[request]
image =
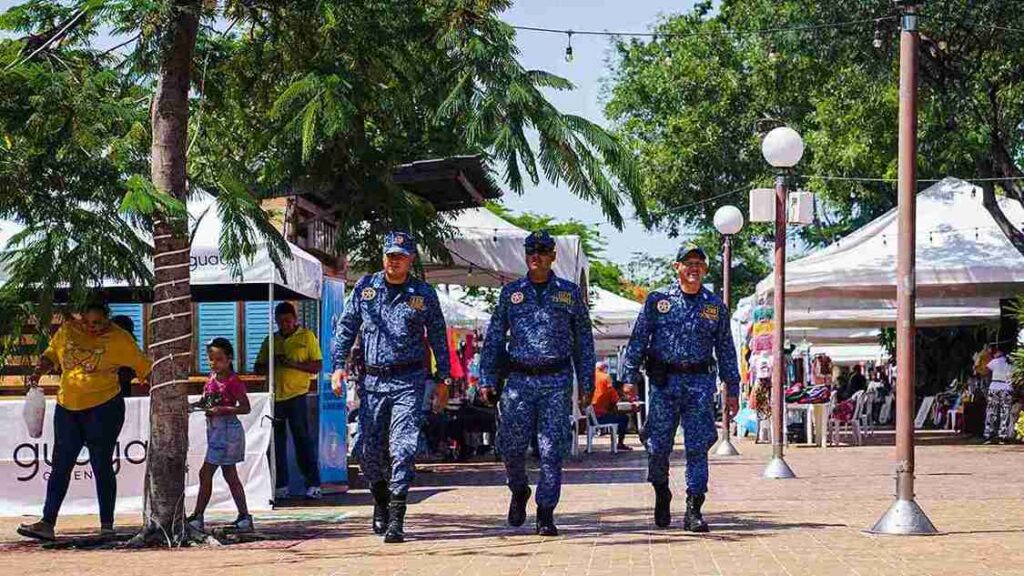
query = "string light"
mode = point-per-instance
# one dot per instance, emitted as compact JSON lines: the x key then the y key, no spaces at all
{"x":568,"y":47}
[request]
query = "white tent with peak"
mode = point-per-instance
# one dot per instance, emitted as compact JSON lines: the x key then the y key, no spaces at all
{"x":961,"y":253}
{"x":613,"y":317}
{"x":488,"y":251}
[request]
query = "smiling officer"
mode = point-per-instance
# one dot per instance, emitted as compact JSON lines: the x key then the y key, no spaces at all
{"x":678,"y":329}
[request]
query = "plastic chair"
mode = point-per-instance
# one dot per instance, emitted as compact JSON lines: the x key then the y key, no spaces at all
{"x":885,"y":414}
{"x":953,"y":415}
{"x":594,"y":428}
{"x":852,"y":423}
{"x":574,"y":424}
{"x":863,"y":413}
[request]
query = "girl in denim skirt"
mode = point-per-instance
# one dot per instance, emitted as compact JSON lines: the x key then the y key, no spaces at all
{"x":225,"y":398}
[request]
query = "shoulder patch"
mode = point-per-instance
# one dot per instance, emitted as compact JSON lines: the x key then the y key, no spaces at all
{"x":664,"y":306}
{"x":368,"y":294}
{"x":516,"y":297}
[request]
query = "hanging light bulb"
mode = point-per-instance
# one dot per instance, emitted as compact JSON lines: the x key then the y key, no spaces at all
{"x":568,"y":47}
{"x":877,"y":42}
{"x":773,"y":56}
{"x":943,"y":45}
{"x":470,"y":274}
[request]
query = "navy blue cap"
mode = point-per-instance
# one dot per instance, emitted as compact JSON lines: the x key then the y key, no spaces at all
{"x":691,"y":248}
{"x":400,"y":243}
{"x":539,"y":240}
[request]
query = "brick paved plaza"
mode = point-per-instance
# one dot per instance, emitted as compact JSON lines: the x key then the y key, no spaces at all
{"x":812,"y":525}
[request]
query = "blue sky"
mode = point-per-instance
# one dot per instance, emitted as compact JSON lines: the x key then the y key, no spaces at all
{"x":586,"y":71}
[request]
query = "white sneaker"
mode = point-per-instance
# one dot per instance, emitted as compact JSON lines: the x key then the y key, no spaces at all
{"x":314,"y":493}
{"x":281,"y":494}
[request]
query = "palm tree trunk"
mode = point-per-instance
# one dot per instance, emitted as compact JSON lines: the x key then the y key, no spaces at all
{"x":171,"y":321}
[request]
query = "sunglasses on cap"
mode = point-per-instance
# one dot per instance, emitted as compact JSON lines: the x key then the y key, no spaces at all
{"x":541,"y":251}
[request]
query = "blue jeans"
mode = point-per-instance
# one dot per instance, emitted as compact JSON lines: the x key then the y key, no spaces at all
{"x":621,"y":419}
{"x":97,"y":429}
{"x":294,"y":413}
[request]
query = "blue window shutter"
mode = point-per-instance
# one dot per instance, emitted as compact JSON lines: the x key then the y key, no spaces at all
{"x":133,"y":311}
{"x":256,"y":330}
{"x":216,"y":320}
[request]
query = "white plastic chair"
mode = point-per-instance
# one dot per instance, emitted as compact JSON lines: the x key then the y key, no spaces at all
{"x":853,"y":424}
{"x":924,"y":411}
{"x":594,"y":428}
{"x":865,"y":406}
{"x":885,"y":414}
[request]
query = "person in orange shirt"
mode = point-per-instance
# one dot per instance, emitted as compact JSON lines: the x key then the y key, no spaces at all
{"x":605,"y":402}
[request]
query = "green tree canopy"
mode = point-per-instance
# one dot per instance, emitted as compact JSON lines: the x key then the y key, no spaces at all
{"x":695,"y":101}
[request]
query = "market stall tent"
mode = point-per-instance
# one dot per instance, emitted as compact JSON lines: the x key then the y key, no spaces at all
{"x":211,"y":278}
{"x":960,"y":252}
{"x":488,"y":251}
{"x":613,"y":317}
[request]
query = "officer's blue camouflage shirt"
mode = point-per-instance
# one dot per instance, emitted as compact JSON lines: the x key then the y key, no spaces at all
{"x":392,"y":321}
{"x":541,"y":331}
{"x":675,"y":330}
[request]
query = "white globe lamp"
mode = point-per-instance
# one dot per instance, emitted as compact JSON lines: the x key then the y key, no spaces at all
{"x":782,"y":147}
{"x":728,"y":220}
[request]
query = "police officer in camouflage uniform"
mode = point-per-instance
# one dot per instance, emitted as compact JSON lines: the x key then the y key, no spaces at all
{"x":391,"y":311}
{"x":539,"y":335}
{"x":673,"y":339}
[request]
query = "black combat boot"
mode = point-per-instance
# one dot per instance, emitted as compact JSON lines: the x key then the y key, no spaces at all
{"x":693,"y":521}
{"x":546,"y":522}
{"x":381,"y":498}
{"x":396,"y":520}
{"x":517,"y":505}
{"x":662,"y":505}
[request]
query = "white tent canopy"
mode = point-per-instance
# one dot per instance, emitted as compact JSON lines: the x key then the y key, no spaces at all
{"x":960,"y":252}
{"x":459,"y":315}
{"x":304,"y":272}
{"x":852,"y":353}
{"x":211,"y":278}
{"x":881,"y":312}
{"x":488,"y":251}
{"x":613,"y":318}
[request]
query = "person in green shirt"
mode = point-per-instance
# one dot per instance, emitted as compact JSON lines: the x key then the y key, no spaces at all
{"x":297,"y":358}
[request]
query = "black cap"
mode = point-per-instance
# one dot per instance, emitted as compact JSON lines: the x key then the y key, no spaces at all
{"x":690,"y":248}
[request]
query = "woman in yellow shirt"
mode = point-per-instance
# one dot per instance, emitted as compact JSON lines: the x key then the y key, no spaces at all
{"x":90,"y":409}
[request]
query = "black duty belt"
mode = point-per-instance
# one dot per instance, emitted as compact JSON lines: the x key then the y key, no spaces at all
{"x":394,"y":369}
{"x":665,"y":368}
{"x":539,"y":369}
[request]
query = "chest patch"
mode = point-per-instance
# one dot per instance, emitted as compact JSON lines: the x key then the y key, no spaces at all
{"x":368,"y":294}
{"x":564,"y":298}
{"x":516,"y":298}
{"x":710,"y":312}
{"x":663,"y":306}
{"x":417,"y":303}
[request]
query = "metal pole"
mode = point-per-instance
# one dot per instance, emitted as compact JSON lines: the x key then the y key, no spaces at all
{"x":905,"y":516}
{"x":725,"y":446}
{"x":777,"y":468}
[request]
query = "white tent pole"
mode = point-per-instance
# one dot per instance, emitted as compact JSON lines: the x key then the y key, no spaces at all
{"x":270,"y":380}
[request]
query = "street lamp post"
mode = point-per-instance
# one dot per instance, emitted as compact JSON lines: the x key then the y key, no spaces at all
{"x":728,"y":221}
{"x":905,"y":516}
{"x":782,"y":148}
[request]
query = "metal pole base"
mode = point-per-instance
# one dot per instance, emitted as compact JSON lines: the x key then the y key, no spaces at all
{"x":778,"y":470}
{"x":904,"y":518}
{"x":725,"y":447}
